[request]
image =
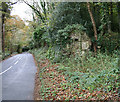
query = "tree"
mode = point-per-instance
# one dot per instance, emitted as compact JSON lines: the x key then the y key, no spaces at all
{"x":5,"y":10}
{"x":118,"y":10}
{"x":94,"y":26}
{"x":39,"y":9}
{"x":13,"y":25}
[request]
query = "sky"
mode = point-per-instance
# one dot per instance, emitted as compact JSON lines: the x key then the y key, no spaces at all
{"x":22,"y":10}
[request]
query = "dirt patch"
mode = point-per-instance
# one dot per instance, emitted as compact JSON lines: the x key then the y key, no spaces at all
{"x":37,"y":81}
{"x":37,"y":86}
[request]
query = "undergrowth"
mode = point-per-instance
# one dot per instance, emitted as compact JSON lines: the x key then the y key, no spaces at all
{"x":87,"y":78}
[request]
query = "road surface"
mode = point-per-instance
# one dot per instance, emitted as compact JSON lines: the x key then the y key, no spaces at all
{"x":18,"y":75}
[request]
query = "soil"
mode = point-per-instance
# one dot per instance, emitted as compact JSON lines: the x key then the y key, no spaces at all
{"x":37,"y":81}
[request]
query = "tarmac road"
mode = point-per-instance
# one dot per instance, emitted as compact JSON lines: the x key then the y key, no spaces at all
{"x":18,"y":76}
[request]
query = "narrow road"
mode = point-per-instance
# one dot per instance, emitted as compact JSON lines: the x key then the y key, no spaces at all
{"x":18,"y":75}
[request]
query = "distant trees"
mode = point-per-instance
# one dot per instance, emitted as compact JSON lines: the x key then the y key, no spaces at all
{"x":13,"y":24}
{"x":17,"y":33}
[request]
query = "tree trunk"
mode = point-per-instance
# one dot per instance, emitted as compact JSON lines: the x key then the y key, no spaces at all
{"x":3,"y":38}
{"x":118,"y":8}
{"x":111,"y":15}
{"x":3,"y":42}
{"x":94,"y":27}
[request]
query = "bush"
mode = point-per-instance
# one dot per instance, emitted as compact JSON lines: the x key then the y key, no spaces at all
{"x":109,"y":42}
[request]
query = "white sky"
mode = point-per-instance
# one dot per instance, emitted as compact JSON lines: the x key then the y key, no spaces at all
{"x":22,"y":10}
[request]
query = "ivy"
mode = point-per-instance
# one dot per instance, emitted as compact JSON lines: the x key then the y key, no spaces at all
{"x":64,"y":34}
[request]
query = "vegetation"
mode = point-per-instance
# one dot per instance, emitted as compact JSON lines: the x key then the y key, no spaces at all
{"x":90,"y":78}
{"x":67,"y":14}
{"x":5,"y":9}
{"x":65,"y":75}
{"x":76,"y":46}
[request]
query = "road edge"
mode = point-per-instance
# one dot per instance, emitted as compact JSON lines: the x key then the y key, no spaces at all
{"x":37,"y":81}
